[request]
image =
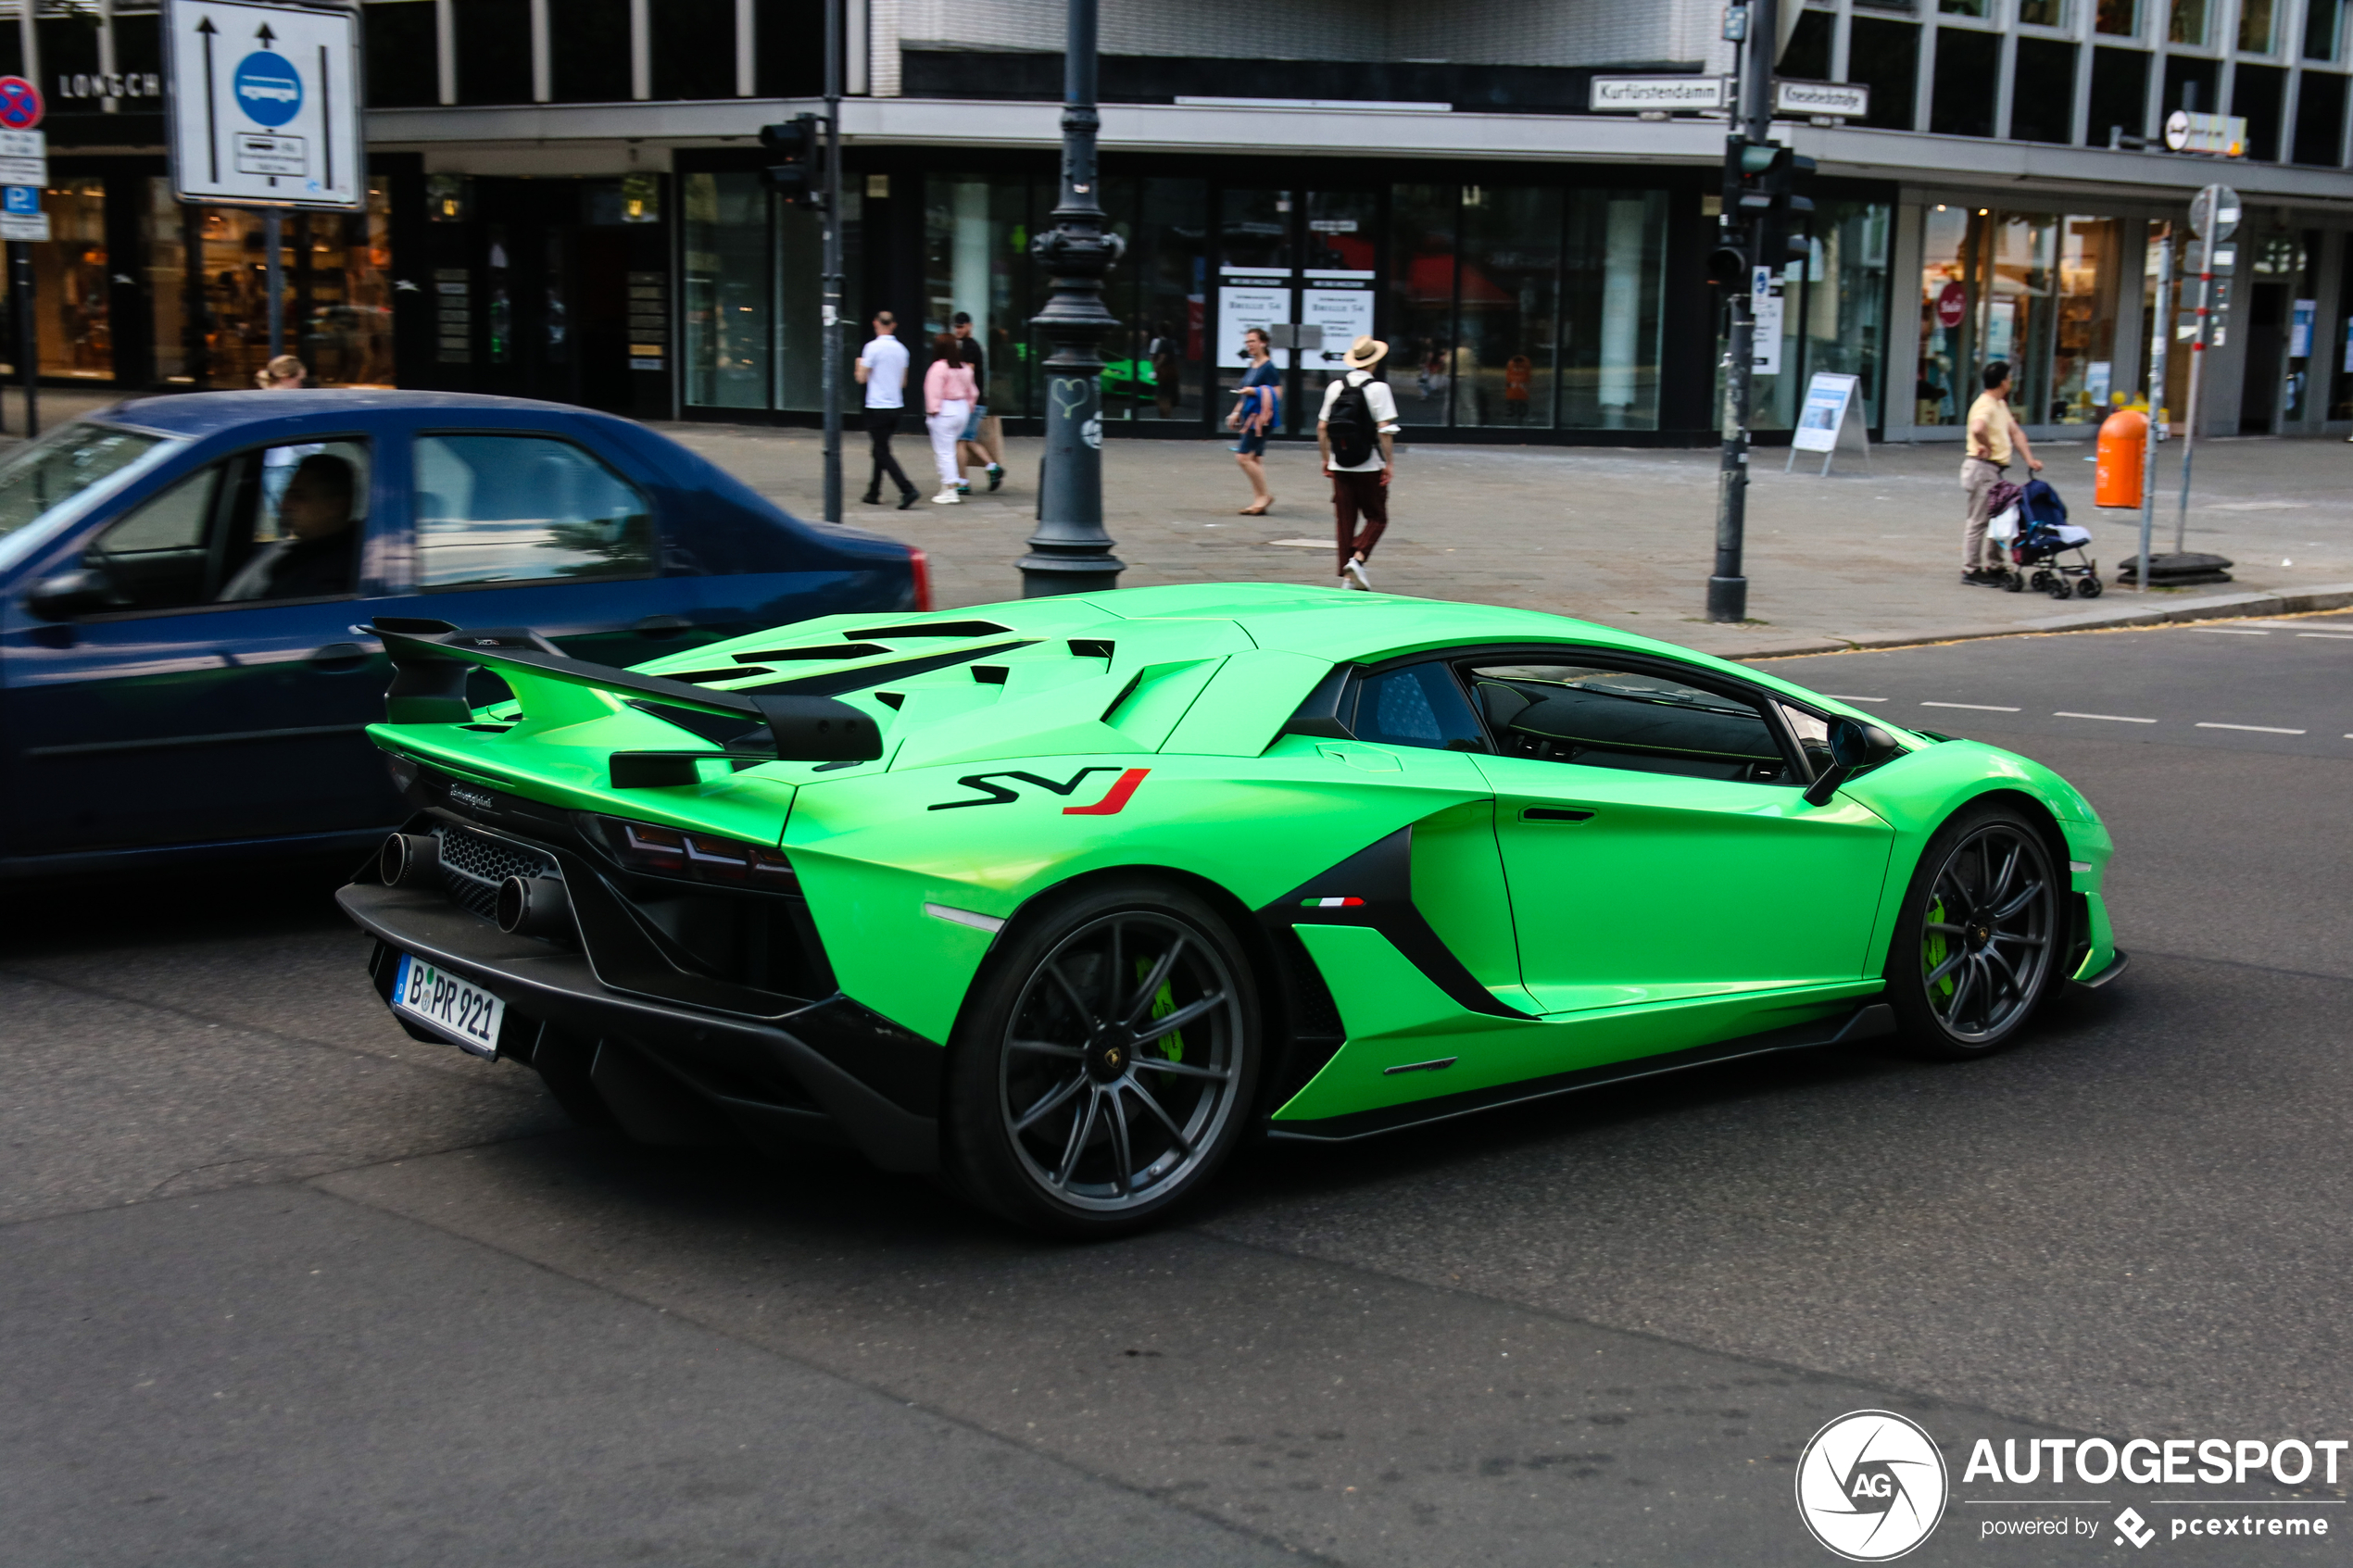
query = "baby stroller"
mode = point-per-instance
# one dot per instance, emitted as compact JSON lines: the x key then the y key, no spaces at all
{"x":2041,"y":536}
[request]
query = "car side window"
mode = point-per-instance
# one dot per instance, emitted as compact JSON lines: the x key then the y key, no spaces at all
{"x":1601,"y":716}
{"x":1420,"y":705}
{"x":525,"y":509}
{"x":284,"y":522}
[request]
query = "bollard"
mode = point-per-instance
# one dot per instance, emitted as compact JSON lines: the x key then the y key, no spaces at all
{"x":2116,"y":481}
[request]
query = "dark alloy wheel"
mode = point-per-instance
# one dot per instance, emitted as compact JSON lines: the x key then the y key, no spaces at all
{"x":1110,"y":1065}
{"x":1980,"y":937}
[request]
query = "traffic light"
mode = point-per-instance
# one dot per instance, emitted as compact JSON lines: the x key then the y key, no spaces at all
{"x":798,"y":175}
{"x":1760,"y":186}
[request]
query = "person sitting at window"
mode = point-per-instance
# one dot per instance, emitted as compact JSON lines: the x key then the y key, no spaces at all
{"x":317,"y":548}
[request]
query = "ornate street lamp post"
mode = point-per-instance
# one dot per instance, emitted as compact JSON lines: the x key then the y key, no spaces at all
{"x":1069,"y":553}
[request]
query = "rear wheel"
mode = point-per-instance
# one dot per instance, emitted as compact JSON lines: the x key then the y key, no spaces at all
{"x":1978,"y":942}
{"x":1108,"y":1067}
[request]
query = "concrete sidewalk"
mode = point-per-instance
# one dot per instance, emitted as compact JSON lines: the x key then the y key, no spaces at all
{"x":1627,"y":536}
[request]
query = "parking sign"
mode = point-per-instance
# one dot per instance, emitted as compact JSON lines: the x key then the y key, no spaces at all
{"x":265,"y":105}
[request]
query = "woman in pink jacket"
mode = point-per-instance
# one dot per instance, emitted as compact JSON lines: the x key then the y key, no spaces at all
{"x":949,"y":393}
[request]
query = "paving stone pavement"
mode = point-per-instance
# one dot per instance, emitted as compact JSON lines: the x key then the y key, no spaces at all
{"x":1624,"y":536}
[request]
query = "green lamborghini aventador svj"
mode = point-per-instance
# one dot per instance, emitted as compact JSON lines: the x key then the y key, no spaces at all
{"x":1070,"y":898}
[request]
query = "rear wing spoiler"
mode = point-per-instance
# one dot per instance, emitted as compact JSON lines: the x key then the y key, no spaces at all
{"x":431,"y":660}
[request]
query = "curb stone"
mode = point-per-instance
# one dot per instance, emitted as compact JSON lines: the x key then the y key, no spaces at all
{"x":2214,"y":606}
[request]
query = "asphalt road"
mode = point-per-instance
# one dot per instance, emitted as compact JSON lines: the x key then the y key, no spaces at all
{"x":279,"y":1285}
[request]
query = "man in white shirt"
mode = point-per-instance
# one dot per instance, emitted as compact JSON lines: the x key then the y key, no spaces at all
{"x":882,"y":370}
{"x":1357,"y":434}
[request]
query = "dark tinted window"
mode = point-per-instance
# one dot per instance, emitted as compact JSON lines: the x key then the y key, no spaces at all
{"x":1596,"y":716}
{"x":494,"y":52}
{"x":693,"y":49}
{"x":1418,"y":705}
{"x":589,"y":43}
{"x":403,"y":50}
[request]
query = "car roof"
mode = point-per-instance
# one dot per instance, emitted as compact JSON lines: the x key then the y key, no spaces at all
{"x":199,"y":414}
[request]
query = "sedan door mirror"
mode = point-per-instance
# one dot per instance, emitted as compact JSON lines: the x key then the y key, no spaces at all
{"x":1853,"y":748}
{"x":69,"y":594}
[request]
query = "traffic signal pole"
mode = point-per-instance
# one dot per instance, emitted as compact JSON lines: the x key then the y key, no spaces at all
{"x":829,"y":327}
{"x":1741,"y":230}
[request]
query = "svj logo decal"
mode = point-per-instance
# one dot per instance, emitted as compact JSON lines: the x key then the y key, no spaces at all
{"x":1871,"y":1485}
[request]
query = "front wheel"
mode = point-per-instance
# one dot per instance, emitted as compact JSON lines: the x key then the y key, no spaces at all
{"x":1979,"y":938}
{"x":1109,"y":1062}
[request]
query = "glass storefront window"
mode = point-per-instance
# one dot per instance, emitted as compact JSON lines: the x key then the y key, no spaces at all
{"x":1255,"y":274}
{"x":729,"y":316}
{"x":209,"y":303}
{"x":1845,"y":306}
{"x":1510,"y":306}
{"x":1421,"y":301}
{"x":2017,"y":318}
{"x":1615,"y":262}
{"x":2085,"y":375}
{"x":977,"y":262}
{"x":1167,"y":313}
{"x":1947,"y":304}
{"x":72,"y":284}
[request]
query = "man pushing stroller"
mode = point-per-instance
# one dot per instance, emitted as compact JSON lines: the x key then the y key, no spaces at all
{"x":1993,"y":432}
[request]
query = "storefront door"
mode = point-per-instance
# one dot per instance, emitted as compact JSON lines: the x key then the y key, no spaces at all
{"x":1304,"y":266}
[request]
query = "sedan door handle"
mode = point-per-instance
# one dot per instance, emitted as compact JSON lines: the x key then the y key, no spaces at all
{"x":1554,"y":814}
{"x":663,"y":626}
{"x":338,"y":658}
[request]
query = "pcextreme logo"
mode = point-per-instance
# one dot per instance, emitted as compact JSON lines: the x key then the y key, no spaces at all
{"x":1871,"y":1485}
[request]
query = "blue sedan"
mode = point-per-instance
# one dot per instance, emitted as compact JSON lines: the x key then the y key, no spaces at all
{"x":187,"y":583}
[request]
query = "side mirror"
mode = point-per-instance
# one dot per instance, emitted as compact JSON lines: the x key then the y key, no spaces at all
{"x":1853,"y":748}
{"x":70,"y":593}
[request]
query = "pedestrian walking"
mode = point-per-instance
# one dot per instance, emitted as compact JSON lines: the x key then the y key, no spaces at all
{"x":1994,"y":432}
{"x":1256,"y":402}
{"x":947,"y":407}
{"x":286,"y":373}
{"x":1357,"y":434}
{"x":1168,"y":373}
{"x":981,"y":446}
{"x":882,"y":370}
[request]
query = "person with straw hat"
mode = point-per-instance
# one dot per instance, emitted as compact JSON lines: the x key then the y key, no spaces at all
{"x":1357,"y":434}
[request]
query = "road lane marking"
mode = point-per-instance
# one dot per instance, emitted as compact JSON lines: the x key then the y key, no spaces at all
{"x":1973,"y":706}
{"x":2256,"y":729}
{"x":1835,"y":697}
{"x":2111,"y":717}
{"x":2338,"y":636}
{"x":2230,"y":632}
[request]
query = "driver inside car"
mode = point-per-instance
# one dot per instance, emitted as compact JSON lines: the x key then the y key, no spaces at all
{"x":316,"y":550}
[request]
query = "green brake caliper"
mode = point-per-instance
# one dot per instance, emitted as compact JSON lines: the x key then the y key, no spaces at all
{"x":1172,"y":1045}
{"x":1933,"y":952}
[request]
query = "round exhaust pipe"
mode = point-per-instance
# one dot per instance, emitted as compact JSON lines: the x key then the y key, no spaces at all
{"x":409,"y":860}
{"x":534,"y":905}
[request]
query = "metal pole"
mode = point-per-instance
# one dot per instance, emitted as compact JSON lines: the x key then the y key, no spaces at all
{"x":2189,"y":415}
{"x":829,"y":309}
{"x":1069,"y":553}
{"x":27,"y":336}
{"x":1753,"y":118}
{"x":275,"y":277}
{"x":2160,"y":339}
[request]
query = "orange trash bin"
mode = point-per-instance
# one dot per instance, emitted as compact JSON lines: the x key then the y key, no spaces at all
{"x":2123,"y":445}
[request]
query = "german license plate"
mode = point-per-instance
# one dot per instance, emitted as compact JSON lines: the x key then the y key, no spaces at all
{"x":455,"y":1007}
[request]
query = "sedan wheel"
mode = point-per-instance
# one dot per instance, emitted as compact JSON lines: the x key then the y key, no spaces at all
{"x":1979,"y":937}
{"x":1110,"y":1065}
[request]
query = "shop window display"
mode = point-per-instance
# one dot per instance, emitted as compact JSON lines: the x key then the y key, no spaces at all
{"x":1947,"y":311}
{"x":2083,"y":370}
{"x":71,"y":283}
{"x":729,"y":314}
{"x":1509,"y":309}
{"x":976,"y":233}
{"x":1614,"y":257}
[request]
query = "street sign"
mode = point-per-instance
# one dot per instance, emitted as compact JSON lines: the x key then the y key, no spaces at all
{"x":20,"y":214}
{"x":265,"y":105}
{"x":20,"y":105}
{"x":24,"y":157}
{"x":2223,"y":133}
{"x":1640,"y":94}
{"x":2214,"y":213}
{"x":1846,"y":99}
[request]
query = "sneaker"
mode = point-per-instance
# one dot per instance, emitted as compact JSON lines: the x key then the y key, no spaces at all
{"x":1363,"y":579}
{"x":947,"y":498}
{"x":995,"y":475}
{"x":964,"y":487}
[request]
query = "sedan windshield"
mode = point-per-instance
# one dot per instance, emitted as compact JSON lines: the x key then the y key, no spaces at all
{"x":62,"y":465}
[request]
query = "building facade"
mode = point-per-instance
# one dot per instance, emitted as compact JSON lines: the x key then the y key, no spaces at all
{"x":567,"y":203}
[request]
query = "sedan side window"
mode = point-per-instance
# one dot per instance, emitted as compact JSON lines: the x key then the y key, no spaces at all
{"x":1421,"y":705}
{"x":1597,"y":716}
{"x":284,"y":522}
{"x":525,"y":509}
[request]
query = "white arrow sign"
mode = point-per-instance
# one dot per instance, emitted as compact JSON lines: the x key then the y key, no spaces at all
{"x":265,"y":105}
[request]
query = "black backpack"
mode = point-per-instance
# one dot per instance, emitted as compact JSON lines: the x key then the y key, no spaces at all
{"x":1356,"y":433}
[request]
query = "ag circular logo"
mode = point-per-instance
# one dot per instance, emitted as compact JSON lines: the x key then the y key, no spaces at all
{"x":268,"y":89}
{"x":1871,"y":1485}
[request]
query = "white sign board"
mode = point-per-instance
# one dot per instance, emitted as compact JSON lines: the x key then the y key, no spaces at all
{"x":1244,"y":303}
{"x":1843,"y":98}
{"x":265,"y":105}
{"x":1631,"y":95}
{"x":1828,"y":413}
{"x":1764,"y":354}
{"x":24,"y":157}
{"x":1342,"y":305}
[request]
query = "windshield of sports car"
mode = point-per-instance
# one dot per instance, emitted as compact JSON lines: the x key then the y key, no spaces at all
{"x":63,"y":464}
{"x":1634,"y":719}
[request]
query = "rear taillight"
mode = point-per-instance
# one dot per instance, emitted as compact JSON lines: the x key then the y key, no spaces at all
{"x":693,"y":857}
{"x":919,"y":564}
